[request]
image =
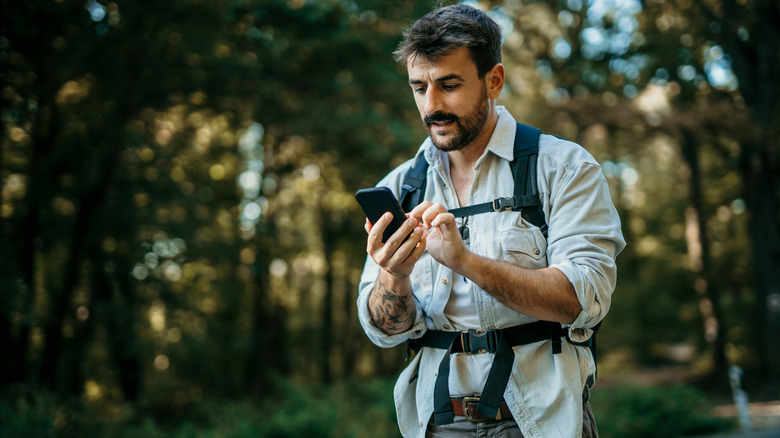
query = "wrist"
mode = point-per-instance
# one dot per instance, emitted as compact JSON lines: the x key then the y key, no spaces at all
{"x":397,"y":282}
{"x":465,"y":264}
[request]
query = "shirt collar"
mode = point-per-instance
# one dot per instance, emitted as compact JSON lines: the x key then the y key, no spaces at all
{"x":502,"y":142}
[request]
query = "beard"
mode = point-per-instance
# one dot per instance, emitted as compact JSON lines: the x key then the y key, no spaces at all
{"x":466,"y":128}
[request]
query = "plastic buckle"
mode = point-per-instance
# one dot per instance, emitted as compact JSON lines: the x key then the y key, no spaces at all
{"x":479,"y":341}
{"x":503,"y":204}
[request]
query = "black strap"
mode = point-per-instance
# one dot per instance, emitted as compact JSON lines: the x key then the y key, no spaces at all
{"x":413,"y":186}
{"x":499,"y":342}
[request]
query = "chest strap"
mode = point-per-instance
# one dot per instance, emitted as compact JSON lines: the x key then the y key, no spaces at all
{"x":499,"y":342}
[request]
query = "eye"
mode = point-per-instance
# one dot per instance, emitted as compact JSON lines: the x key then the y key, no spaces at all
{"x":418,"y":90}
{"x":450,"y":87}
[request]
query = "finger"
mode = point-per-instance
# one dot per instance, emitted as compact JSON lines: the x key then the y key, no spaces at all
{"x":398,"y":237}
{"x":406,"y":252}
{"x":421,"y":245}
{"x":446,"y":225}
{"x":430,"y":214}
{"x":375,"y":235}
{"x":417,"y":212}
{"x":367,"y":226}
{"x":443,"y":219}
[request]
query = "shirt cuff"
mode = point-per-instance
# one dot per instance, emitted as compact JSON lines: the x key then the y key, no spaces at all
{"x":579,"y":330}
{"x":382,"y":339}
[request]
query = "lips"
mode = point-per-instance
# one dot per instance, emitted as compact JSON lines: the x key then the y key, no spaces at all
{"x":440,"y":124}
{"x":440,"y":121}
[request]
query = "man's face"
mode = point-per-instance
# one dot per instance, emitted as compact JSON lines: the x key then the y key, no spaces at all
{"x":451,"y":98}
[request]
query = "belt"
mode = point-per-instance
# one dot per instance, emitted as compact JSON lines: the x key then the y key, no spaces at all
{"x":499,"y":342}
{"x":467,"y":407}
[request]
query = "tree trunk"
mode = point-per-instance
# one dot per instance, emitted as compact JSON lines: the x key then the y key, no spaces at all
{"x":698,"y":244}
{"x":756,"y":63}
{"x":759,"y":167}
{"x":268,"y":337}
{"x":121,"y":315}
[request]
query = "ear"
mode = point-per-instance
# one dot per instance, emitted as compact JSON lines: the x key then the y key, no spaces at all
{"x":494,"y":81}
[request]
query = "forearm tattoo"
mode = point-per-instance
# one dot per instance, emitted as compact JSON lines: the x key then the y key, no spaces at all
{"x":390,"y":311}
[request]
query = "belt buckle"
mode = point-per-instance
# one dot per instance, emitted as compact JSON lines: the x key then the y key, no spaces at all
{"x":470,"y":411}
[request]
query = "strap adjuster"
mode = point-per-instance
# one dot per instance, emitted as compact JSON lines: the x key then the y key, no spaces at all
{"x":504,"y":204}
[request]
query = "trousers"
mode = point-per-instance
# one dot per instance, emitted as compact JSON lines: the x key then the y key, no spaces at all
{"x":462,"y":428}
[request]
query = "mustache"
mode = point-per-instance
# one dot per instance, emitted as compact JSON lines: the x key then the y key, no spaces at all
{"x":439,"y":117}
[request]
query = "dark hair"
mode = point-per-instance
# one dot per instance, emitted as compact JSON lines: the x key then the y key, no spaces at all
{"x":446,"y":29}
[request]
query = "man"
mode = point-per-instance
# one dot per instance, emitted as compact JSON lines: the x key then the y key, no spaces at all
{"x":502,"y":278}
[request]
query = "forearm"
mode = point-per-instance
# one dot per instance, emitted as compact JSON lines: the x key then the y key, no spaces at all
{"x":391,"y":304}
{"x":545,"y":294}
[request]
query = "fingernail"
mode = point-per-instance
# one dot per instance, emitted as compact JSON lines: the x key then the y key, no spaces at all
{"x":388,"y":215}
{"x":411,"y":222}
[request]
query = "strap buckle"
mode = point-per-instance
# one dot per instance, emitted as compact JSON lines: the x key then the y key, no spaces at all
{"x":479,"y":341}
{"x":470,"y":405}
{"x":504,"y":204}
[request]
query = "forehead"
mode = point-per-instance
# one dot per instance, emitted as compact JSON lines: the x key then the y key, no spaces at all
{"x":458,"y":62}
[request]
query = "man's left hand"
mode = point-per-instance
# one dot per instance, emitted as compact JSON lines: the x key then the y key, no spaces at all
{"x":445,"y":243}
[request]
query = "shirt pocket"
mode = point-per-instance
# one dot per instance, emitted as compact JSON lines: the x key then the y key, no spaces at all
{"x":524,"y":247}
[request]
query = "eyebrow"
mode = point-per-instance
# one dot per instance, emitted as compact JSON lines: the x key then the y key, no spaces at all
{"x":445,"y":78}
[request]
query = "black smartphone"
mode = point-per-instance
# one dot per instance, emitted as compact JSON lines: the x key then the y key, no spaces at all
{"x":375,"y":202}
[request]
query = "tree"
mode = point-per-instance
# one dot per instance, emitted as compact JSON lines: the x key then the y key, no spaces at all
{"x":132,"y":257}
{"x":599,"y":65}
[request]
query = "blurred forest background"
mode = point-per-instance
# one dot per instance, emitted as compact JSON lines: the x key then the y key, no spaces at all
{"x":180,"y":246}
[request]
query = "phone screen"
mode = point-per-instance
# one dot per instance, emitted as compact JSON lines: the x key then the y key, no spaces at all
{"x":375,"y":202}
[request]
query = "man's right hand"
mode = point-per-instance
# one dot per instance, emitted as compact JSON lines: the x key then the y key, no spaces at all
{"x":391,"y":304}
{"x":396,"y":256}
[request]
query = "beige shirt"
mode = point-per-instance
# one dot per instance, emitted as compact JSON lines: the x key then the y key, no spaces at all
{"x":544,"y":391}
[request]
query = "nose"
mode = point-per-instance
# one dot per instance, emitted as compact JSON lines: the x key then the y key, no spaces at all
{"x":432,"y":101}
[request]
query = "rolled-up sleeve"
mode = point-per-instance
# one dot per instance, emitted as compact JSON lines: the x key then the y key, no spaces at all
{"x":584,"y":239}
{"x":377,"y":336}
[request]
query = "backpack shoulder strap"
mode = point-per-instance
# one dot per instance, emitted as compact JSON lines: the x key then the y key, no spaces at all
{"x":523,"y":166}
{"x":413,"y":186}
{"x":526,"y":192}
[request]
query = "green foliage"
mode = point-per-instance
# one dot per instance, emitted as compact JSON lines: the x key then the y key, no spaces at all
{"x":354,"y":409}
{"x":27,"y":418}
{"x":662,"y":412}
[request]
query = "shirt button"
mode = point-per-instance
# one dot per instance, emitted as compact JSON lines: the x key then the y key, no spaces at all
{"x":446,"y":326}
{"x":444,"y":280}
{"x":482,"y":350}
{"x":536,"y":251}
{"x":419,"y":423}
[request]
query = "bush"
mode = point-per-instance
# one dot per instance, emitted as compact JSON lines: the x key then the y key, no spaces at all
{"x":654,"y":412}
{"x":351,"y":409}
